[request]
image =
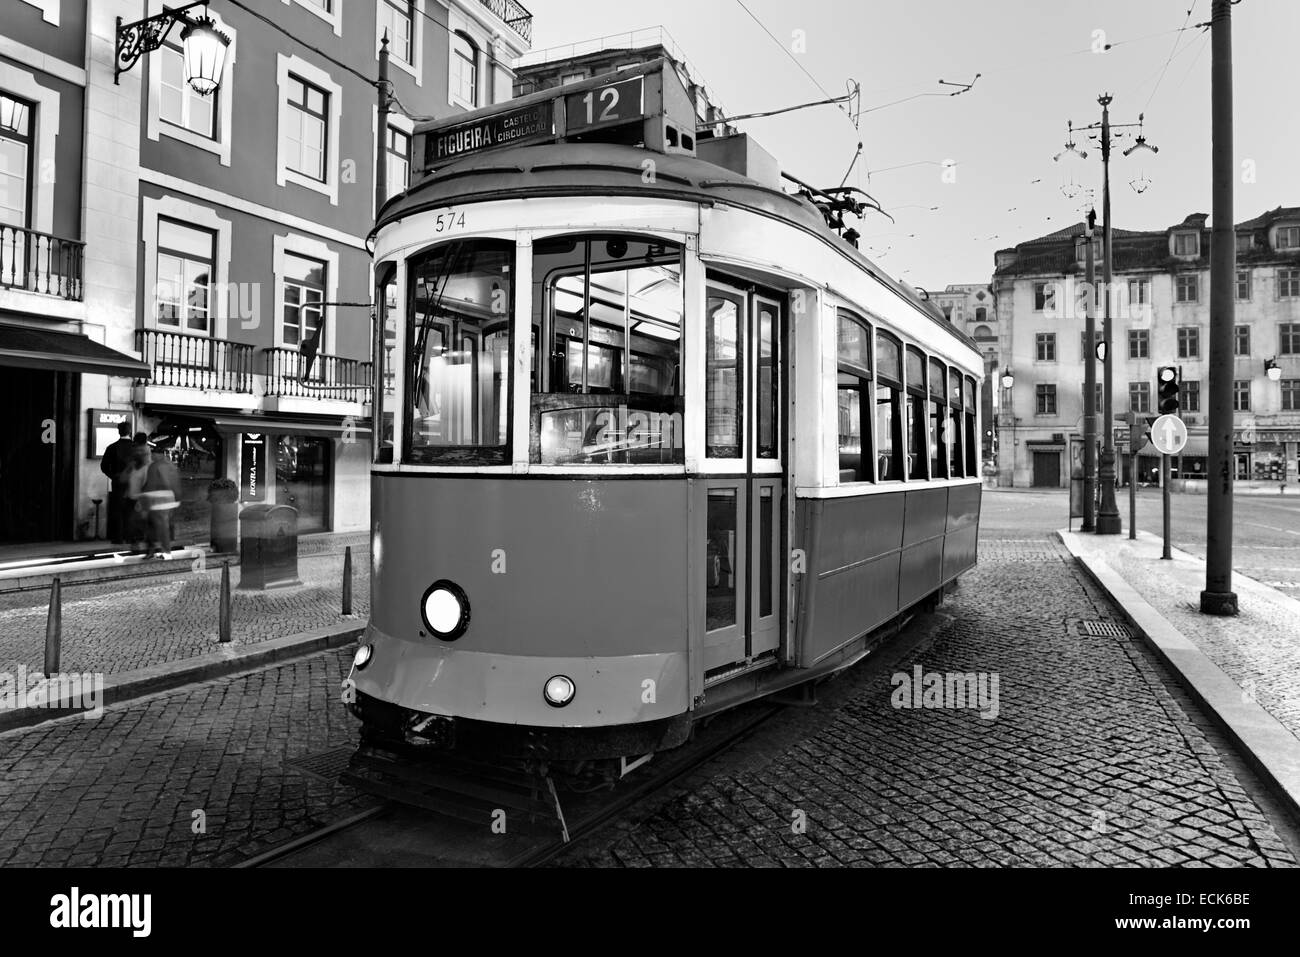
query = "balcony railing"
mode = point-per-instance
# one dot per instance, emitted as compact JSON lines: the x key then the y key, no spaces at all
{"x":329,"y":377}
{"x":38,"y":262}
{"x":515,"y":15}
{"x":196,"y":362}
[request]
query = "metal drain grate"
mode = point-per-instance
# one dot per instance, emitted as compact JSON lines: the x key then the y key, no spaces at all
{"x":326,"y":765}
{"x":1103,"y":629}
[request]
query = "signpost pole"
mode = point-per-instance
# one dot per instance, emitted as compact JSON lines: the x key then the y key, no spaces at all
{"x":1133,"y":449}
{"x":1164,"y":489}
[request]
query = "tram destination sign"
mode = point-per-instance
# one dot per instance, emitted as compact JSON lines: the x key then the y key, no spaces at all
{"x":523,"y":125}
{"x":608,"y":105}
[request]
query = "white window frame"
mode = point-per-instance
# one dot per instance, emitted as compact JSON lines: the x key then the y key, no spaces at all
{"x":454,"y":98}
{"x":398,"y":122}
{"x":1280,"y":280}
{"x":1184,"y":235}
{"x":334,"y":18}
{"x":1277,"y":236}
{"x":315,"y":249}
{"x":202,"y":217}
{"x":284,"y":174}
{"x":416,"y":69}
{"x":155,"y":126}
{"x":44,"y":132}
{"x":49,"y":9}
{"x":1196,"y":298}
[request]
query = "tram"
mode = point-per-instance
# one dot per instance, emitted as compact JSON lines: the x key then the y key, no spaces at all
{"x":654,"y":439}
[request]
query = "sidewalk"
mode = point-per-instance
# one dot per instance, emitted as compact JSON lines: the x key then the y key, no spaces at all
{"x":119,"y":627}
{"x":1245,"y":670}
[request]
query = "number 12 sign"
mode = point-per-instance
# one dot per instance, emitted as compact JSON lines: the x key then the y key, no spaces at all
{"x":604,"y":106}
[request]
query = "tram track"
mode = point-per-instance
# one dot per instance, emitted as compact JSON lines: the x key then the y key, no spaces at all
{"x":391,"y":834}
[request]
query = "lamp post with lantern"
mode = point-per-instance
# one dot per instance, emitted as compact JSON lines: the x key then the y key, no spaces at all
{"x":203,"y":45}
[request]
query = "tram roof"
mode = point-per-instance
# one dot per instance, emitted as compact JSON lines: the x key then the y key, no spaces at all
{"x":604,"y":169}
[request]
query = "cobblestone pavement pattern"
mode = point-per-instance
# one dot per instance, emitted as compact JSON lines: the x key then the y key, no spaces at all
{"x":121,"y":626}
{"x":1091,"y":760}
{"x":123,"y":790}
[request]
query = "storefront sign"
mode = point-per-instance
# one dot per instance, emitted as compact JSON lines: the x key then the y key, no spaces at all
{"x":505,"y":129}
{"x":252,"y":467}
{"x":103,"y":430}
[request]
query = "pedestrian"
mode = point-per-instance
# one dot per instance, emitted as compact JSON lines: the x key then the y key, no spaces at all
{"x":133,"y":478}
{"x":116,"y":458}
{"x":161,"y":497}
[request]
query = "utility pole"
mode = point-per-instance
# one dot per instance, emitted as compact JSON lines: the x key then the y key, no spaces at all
{"x":1218,"y":597}
{"x":1090,"y":389}
{"x":1108,"y":518}
{"x":381,"y":156}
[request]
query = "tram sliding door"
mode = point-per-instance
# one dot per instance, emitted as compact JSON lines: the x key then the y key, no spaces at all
{"x":745,"y":486}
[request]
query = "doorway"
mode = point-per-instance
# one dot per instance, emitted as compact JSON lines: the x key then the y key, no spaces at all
{"x":1047,"y":470}
{"x":38,"y":457}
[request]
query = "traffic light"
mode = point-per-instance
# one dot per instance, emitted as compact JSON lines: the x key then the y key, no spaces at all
{"x":1167,"y":386}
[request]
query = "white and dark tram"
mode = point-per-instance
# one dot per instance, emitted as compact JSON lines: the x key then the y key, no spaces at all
{"x":653,"y":439}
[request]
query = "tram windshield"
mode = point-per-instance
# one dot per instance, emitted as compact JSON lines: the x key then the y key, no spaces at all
{"x":458,"y":351}
{"x":607,"y":381}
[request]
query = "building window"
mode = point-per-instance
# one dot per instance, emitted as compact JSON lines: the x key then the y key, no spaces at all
{"x":1046,"y":346}
{"x":395,"y":17}
{"x":303,"y":468}
{"x":1187,"y":244}
{"x":1139,"y":292}
{"x":1044,"y":296}
{"x":1083,"y":343}
{"x":854,"y":397}
{"x":398,"y":157}
{"x":1045,"y":399}
{"x":304,"y":294}
{"x":15,"y":176}
{"x":1245,"y":243}
{"x":981,"y":314}
{"x":1289,"y":339}
{"x":1241,"y":395}
{"x":1189,"y":342}
{"x":328,"y":10}
{"x":307,"y":135}
{"x":1288,"y":237}
{"x":1139,"y":396}
{"x":1139,"y":344}
{"x":1243,"y":285}
{"x":178,"y":104}
{"x":1187,"y":289}
{"x":464,"y":70}
{"x":1288,"y":283}
{"x":1189,"y":396}
{"x":184,"y":278}
{"x":1291,"y":395}
{"x":570,"y":78}
{"x":1241,"y":341}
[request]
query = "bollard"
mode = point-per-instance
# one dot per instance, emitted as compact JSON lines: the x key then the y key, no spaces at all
{"x":347,"y":580}
{"x":223,"y":624}
{"x":53,"y":630}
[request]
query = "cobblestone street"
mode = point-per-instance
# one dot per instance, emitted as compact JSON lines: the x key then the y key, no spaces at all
{"x":114,"y":627}
{"x":1092,"y":760}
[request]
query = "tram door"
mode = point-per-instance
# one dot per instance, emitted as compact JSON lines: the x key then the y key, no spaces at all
{"x":745,"y":487}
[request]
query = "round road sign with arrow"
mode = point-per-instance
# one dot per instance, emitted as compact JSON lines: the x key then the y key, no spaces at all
{"x":1169,"y":435}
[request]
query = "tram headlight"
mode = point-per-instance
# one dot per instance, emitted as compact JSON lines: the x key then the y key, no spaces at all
{"x":363,"y":656}
{"x":559,"y":691}
{"x":445,"y":610}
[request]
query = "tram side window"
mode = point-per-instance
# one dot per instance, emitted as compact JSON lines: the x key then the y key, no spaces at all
{"x":938,"y":421}
{"x":956,"y":447}
{"x":724,"y":347}
{"x":607,"y":385}
{"x":915,"y":415}
{"x":458,"y":354}
{"x":385,"y":347}
{"x":889,"y":408}
{"x":853,"y":344}
{"x":972,"y":460}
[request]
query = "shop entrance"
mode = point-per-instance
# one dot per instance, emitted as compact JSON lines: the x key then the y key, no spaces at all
{"x":1047,"y":470}
{"x":38,"y":456}
{"x":303,"y":472}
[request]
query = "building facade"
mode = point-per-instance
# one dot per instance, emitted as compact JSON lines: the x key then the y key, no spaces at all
{"x":1160,"y":303}
{"x":221,"y":260}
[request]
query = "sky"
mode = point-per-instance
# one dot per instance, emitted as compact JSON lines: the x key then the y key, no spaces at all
{"x":1038,"y":70}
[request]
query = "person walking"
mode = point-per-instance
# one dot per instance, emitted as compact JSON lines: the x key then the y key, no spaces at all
{"x":161,"y":497}
{"x":114,"y":463}
{"x":133,"y":478}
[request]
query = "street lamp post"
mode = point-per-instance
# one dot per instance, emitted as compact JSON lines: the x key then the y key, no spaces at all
{"x":1090,"y":388}
{"x":203,"y":45}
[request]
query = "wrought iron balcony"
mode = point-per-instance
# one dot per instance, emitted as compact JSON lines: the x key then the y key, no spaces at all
{"x":196,"y":362}
{"x":38,"y":262}
{"x":515,"y":15}
{"x":328,"y":377}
